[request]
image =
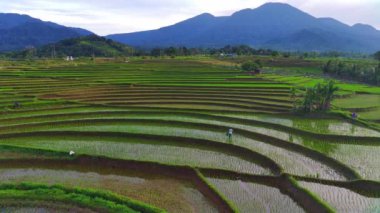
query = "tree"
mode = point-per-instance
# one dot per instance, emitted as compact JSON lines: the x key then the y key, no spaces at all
{"x":275,"y":54}
{"x":308,"y":101}
{"x":377,"y":74}
{"x":171,"y":51}
{"x":360,"y":72}
{"x":258,"y":62}
{"x":293,"y":97}
{"x":156,"y":52}
{"x":286,"y":55}
{"x":377,"y":55}
{"x":30,"y":52}
{"x":251,"y":66}
{"x":327,"y":67}
{"x":328,"y":94}
{"x":319,"y":97}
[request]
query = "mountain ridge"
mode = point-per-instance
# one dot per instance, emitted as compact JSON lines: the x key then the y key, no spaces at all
{"x":20,"y":31}
{"x":85,"y":46}
{"x":272,"y":25}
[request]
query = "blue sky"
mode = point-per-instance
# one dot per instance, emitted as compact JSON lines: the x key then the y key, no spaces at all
{"x":120,"y":16}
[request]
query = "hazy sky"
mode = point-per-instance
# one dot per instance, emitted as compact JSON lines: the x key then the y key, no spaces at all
{"x":120,"y":16}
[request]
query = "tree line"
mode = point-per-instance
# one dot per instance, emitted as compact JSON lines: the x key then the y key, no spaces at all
{"x":246,"y":50}
{"x":227,"y":50}
{"x":366,"y":73}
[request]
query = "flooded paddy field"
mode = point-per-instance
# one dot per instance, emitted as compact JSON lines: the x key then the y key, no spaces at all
{"x":169,"y":119}
{"x":165,"y":191}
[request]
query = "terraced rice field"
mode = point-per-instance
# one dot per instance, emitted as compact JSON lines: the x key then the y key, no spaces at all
{"x":150,"y":136}
{"x":367,"y":106}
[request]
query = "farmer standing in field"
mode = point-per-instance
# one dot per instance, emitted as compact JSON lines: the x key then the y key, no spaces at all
{"x":229,"y":133}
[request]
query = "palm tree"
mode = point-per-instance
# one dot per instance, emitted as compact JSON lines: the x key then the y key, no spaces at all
{"x":293,"y":94}
{"x":328,"y":95}
{"x":319,"y":97}
{"x":308,"y":102}
{"x":319,"y":91}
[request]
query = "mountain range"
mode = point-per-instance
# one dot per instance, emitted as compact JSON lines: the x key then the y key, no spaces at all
{"x":20,"y":31}
{"x":276,"y":26}
{"x":272,"y":25}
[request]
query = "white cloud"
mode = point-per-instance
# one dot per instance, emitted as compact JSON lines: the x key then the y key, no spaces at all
{"x":120,"y":16}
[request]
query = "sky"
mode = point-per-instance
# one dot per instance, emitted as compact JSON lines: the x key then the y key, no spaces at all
{"x":121,"y":16}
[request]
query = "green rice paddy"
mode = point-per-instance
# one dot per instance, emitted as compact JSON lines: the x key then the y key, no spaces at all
{"x":150,"y":136}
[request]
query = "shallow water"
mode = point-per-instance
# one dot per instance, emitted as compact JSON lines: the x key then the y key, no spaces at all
{"x":252,"y":197}
{"x":344,"y":200}
{"x":174,"y":195}
{"x":147,"y":151}
{"x":318,"y":125}
{"x":292,"y":162}
{"x":363,"y":159}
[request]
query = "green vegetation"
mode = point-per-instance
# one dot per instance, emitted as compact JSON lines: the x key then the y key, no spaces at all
{"x":353,"y":71}
{"x":377,"y":55}
{"x":227,"y":51}
{"x":356,"y":101}
{"x":96,"y":200}
{"x":318,"y":98}
{"x":88,"y":46}
{"x":154,"y":130}
{"x":251,"y":66}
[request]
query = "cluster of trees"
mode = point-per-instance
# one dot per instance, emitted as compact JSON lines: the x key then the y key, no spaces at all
{"x":377,"y":55}
{"x":252,"y":66}
{"x":317,"y":98}
{"x":365,"y":73}
{"x":184,"y":51}
{"x":173,"y":51}
{"x":244,"y":50}
{"x":87,"y":46}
